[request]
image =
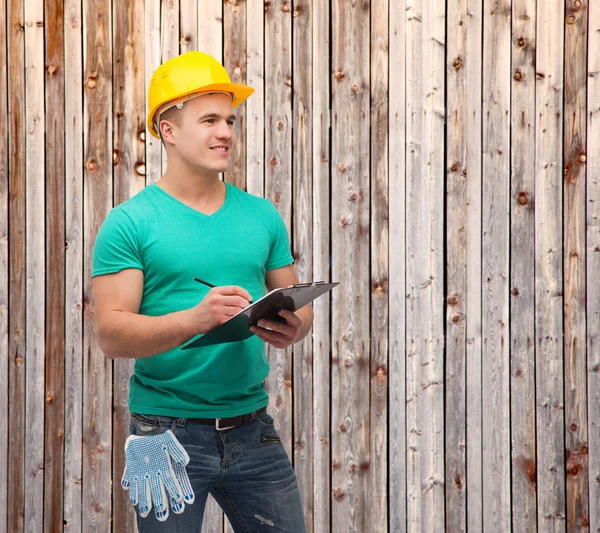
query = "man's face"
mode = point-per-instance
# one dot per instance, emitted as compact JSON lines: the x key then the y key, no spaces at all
{"x":204,"y":134}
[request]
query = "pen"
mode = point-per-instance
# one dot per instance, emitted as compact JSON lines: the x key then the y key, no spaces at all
{"x":209,"y":284}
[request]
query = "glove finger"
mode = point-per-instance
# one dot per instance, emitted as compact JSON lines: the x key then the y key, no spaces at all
{"x":144,"y":493}
{"x":125,"y":479}
{"x":159,"y":497}
{"x":133,"y":492}
{"x":176,"y":450}
{"x":184,"y":482}
{"x":173,"y":488}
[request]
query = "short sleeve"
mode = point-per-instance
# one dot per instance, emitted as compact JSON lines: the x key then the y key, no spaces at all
{"x":117,"y":245}
{"x":280,"y":254}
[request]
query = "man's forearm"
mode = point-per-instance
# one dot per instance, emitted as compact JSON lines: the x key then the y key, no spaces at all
{"x":306,"y":315}
{"x":132,"y":336}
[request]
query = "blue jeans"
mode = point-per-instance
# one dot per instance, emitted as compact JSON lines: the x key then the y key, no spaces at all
{"x":246,"y":469}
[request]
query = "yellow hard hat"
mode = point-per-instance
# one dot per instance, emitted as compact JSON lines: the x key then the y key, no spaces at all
{"x":186,"y":75}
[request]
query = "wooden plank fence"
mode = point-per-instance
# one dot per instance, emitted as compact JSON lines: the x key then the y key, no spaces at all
{"x":441,"y":159}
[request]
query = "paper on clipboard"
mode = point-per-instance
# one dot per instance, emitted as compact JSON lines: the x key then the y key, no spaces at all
{"x":237,"y":328}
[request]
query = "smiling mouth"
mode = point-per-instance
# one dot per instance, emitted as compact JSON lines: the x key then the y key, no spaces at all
{"x":221,"y":149}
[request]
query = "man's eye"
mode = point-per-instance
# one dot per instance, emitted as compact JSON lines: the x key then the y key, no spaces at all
{"x":231,"y":122}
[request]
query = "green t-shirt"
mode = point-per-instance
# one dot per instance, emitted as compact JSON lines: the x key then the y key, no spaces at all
{"x":171,"y":243}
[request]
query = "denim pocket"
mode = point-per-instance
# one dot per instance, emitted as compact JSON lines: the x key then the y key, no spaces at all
{"x":144,"y":425}
{"x":265,"y":420}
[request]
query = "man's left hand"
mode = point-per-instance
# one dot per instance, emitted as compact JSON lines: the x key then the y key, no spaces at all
{"x":279,"y":334}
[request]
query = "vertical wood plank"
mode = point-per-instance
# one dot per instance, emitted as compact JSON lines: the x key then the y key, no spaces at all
{"x":188,"y":25}
{"x":302,"y":250}
{"x":4,"y":273}
{"x":350,"y":192}
{"x":73,"y":267}
{"x":55,"y":267}
{"x":457,"y":110}
{"x":593,"y":260}
{"x":129,"y":179}
{"x":278,"y":187}
{"x":210,"y":28}
{"x":97,"y":369}
{"x":17,"y":282}
{"x":424,"y":278}
{"x":474,"y":67}
{"x":321,"y":72}
{"x":549,"y":268}
{"x":377,"y":506}
{"x":255,"y":105}
{"x":495,"y":257}
{"x":35,"y":265}
{"x":151,"y":62}
{"x":234,"y":50}
{"x":522,"y":268}
{"x":397,"y":270}
{"x":574,"y":157}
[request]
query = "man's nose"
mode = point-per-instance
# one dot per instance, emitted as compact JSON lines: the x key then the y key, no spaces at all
{"x":225,"y":131}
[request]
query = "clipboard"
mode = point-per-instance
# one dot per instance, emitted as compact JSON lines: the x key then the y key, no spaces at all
{"x":237,"y":328}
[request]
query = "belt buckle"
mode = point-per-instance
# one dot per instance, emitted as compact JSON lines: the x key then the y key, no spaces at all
{"x":218,"y":425}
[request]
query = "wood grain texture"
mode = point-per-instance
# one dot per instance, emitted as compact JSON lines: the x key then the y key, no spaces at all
{"x":350,"y":201}
{"x":397,"y":270}
{"x":278,"y":186}
{"x":593,"y":259}
{"x":55,"y":266}
{"x":152,"y":59}
{"x":425,"y":32}
{"x":73,"y":267}
{"x":210,"y":28}
{"x":17,"y":281}
{"x":129,"y":178}
{"x":495,"y":259}
{"x":234,"y":52}
{"x":574,"y":261}
{"x":377,"y":508}
{"x":188,"y":25}
{"x":302,"y":224}
{"x":474,"y":67}
{"x":4,"y":273}
{"x":98,"y":199}
{"x":321,"y":175}
{"x":522,"y":267}
{"x":457,"y":110}
{"x":551,"y":510}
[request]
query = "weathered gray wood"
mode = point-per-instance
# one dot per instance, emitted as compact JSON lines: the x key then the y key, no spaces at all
{"x":129,"y":123}
{"x":17,"y":254}
{"x":152,"y":60}
{"x":73,"y":267}
{"x":234,"y":51}
{"x":35,"y":265}
{"x":551,"y":510}
{"x":188,"y":25}
{"x":303,"y":252}
{"x":4,"y":262}
{"x":397,"y":270}
{"x":321,"y":158}
{"x":457,"y":110}
{"x":593,"y":261}
{"x":495,"y":259}
{"x":278,"y":186}
{"x":474,"y":67}
{"x":424,"y":265}
{"x":97,"y":369}
{"x":350,"y":195}
{"x":55,"y":267}
{"x":522,"y":268}
{"x":377,"y":507}
{"x":255,"y":105}
{"x":574,"y":260}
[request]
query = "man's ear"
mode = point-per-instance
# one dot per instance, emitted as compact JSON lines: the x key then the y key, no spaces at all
{"x":166,"y":130}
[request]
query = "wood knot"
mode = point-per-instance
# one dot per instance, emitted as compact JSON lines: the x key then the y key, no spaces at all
{"x":521,"y":42}
{"x":298,"y":11}
{"x":355,"y":89}
{"x":378,"y":289}
{"x":342,"y":428}
{"x":571,"y":19}
{"x":140,"y":168}
{"x":518,"y":75}
{"x":51,"y":69}
{"x":187,"y":39}
{"x":582,"y":158}
{"x":348,"y":363}
{"x":518,"y":373}
{"x":235,"y":8}
{"x":116,"y":157}
{"x":237,"y":71}
{"x":288,"y":81}
{"x":344,"y":222}
{"x":277,"y":197}
{"x":575,"y":470}
{"x":273,"y":162}
{"x":339,"y":75}
{"x":49,"y":398}
{"x":288,"y":383}
{"x":285,"y":7}
{"x":100,"y":448}
{"x":278,"y":400}
{"x":453,"y":300}
{"x":458,"y":481}
{"x":522,"y":198}
{"x":341,"y":168}
{"x":298,"y":446}
{"x":577,"y":4}
{"x":456,"y":319}
{"x":280,"y":126}
{"x":380,"y":373}
{"x":353,"y":197}
{"x":338,"y":495}
{"x":142,"y":135}
{"x":573,"y":427}
{"x":515,"y":292}
{"x":91,"y":82}
{"x":454,"y":167}
{"x":457,"y":63}
{"x":91,"y":165}
{"x":18,"y":361}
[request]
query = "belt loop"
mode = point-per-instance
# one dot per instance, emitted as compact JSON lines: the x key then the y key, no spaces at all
{"x":181,"y":422}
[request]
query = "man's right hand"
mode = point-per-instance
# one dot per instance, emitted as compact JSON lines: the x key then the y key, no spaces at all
{"x":218,"y":306}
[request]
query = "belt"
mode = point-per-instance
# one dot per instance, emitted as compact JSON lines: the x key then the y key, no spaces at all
{"x":221,"y":424}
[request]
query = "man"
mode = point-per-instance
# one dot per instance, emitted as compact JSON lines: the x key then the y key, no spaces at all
{"x":204,"y":407}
